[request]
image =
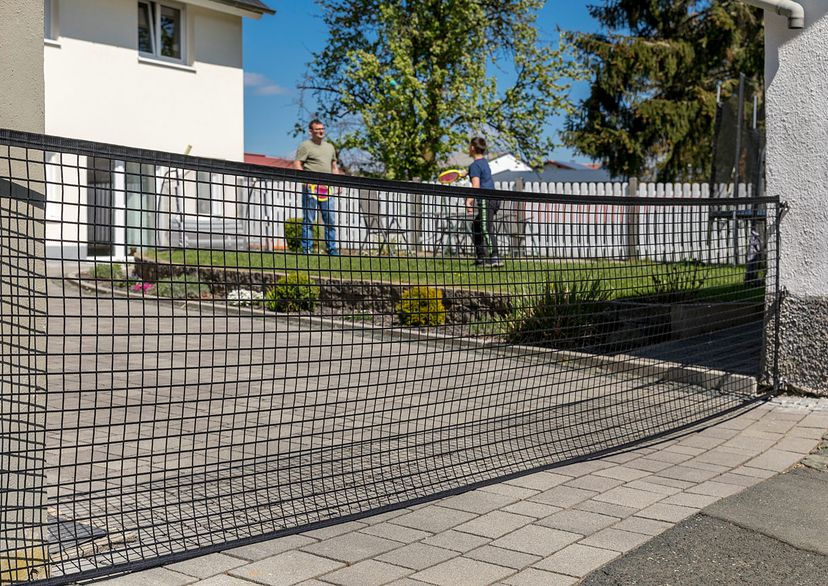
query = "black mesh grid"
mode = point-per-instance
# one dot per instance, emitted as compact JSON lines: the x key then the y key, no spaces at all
{"x":205,"y":383}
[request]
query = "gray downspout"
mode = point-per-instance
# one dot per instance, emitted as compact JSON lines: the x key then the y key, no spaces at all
{"x":793,"y":11}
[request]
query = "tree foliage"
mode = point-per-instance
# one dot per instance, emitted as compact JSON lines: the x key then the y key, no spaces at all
{"x":655,"y":69}
{"x":408,"y":80}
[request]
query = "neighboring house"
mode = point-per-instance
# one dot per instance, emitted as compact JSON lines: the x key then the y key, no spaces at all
{"x":497,"y":162}
{"x":163,"y":75}
{"x":278,"y":162}
{"x":557,"y":172}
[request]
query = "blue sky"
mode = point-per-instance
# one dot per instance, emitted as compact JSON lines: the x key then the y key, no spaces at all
{"x":278,"y":48}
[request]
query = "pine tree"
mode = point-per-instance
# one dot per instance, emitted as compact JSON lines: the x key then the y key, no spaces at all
{"x":409,"y":82}
{"x":655,"y":70}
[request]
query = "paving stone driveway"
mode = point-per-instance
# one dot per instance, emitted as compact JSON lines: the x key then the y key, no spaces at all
{"x":173,"y":427}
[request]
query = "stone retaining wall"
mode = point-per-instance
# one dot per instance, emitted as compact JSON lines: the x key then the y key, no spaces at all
{"x":462,"y":305}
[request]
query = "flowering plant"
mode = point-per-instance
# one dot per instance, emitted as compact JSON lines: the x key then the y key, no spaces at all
{"x":142,"y":287}
{"x":244,"y":297}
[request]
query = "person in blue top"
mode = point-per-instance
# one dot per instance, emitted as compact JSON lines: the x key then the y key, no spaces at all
{"x":482,"y":208}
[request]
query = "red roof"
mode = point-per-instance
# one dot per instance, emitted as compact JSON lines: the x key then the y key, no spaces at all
{"x":257,"y":159}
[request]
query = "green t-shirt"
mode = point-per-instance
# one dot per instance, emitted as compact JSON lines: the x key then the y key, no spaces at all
{"x":316,"y":157}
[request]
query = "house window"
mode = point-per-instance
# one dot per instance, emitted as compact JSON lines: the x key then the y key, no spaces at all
{"x":49,"y":19}
{"x":161,"y":30}
{"x":204,"y":193}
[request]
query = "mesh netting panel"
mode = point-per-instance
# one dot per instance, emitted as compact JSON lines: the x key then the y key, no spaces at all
{"x":234,"y":352}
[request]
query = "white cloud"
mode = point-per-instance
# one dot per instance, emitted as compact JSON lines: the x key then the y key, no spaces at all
{"x":261,"y":85}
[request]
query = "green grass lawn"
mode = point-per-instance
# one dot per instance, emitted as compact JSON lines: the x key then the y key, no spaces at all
{"x":623,"y":279}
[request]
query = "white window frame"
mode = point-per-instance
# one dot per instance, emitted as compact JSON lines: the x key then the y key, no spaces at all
{"x":154,"y":8}
{"x":50,"y":18}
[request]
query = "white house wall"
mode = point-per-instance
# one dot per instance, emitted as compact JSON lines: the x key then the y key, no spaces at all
{"x":796,"y":78}
{"x":66,"y":215}
{"x":98,"y":89}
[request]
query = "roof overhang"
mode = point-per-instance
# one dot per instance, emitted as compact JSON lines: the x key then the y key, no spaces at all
{"x":243,"y":8}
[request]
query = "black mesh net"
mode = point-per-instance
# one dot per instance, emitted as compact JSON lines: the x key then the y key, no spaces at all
{"x":234,"y":352}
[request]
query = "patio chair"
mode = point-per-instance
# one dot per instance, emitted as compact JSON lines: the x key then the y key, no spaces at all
{"x":379,"y":228}
{"x":516,"y":224}
{"x":453,"y":233}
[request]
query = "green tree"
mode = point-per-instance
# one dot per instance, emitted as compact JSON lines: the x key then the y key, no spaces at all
{"x":409,"y":81}
{"x":655,"y":69}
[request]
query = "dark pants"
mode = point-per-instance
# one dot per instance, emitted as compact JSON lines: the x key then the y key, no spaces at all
{"x":483,"y":229}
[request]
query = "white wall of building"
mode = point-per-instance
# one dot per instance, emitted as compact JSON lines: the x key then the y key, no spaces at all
{"x":507,"y":162}
{"x":796,"y":78}
{"x":797,"y":154}
{"x":98,"y":88}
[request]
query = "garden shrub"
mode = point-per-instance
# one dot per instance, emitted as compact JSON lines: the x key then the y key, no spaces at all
{"x":678,"y":281}
{"x":422,"y":306}
{"x":565,"y":315}
{"x":293,"y":235}
{"x":114,"y":273}
{"x":182,"y":287}
{"x":292,"y":292}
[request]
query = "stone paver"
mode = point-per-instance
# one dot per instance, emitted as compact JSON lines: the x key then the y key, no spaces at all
{"x":655,"y":487}
{"x":433,"y":519}
{"x":539,"y":480}
{"x":603,"y":508}
{"x":286,"y":569}
{"x":665,"y":512}
{"x":641,"y":525}
{"x":629,"y":497}
{"x":648,"y":465}
{"x":575,"y":521}
{"x":688,"y":499}
{"x":537,"y":540}
{"x":688,"y":473}
{"x":367,"y":573}
{"x":225,"y":580}
{"x":334,"y":530}
{"x":623,"y":473}
{"x":502,"y":557}
{"x":477,"y":501}
{"x":530,"y":509}
{"x":512,"y":490}
{"x":160,"y":576}
{"x":551,"y":527}
{"x":775,"y":460}
{"x":351,"y":547}
{"x":207,"y":565}
{"x":563,"y":496}
{"x":717,"y":489}
{"x":463,"y":570}
{"x":577,"y":560}
{"x":495,"y":524}
{"x":594,"y":483}
{"x":615,"y":540}
{"x":418,"y":556}
{"x":263,"y":549}
{"x":535,"y":577}
{"x":395,"y":532}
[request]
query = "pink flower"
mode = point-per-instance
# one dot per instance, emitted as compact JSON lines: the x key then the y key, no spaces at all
{"x":142,"y":287}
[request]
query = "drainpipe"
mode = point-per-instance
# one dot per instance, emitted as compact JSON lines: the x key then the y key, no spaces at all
{"x":788,"y":8}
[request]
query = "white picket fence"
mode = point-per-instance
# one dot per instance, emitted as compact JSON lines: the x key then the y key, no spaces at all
{"x":578,"y":230}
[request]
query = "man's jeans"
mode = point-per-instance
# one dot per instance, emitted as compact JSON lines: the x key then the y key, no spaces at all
{"x":309,"y":204}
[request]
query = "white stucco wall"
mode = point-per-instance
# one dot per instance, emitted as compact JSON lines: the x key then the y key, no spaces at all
{"x":98,"y":89}
{"x":796,"y":76}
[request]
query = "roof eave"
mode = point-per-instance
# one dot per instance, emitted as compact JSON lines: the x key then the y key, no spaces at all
{"x":235,"y":7}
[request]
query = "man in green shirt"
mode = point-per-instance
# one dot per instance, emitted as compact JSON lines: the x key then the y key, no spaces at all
{"x":318,"y":155}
